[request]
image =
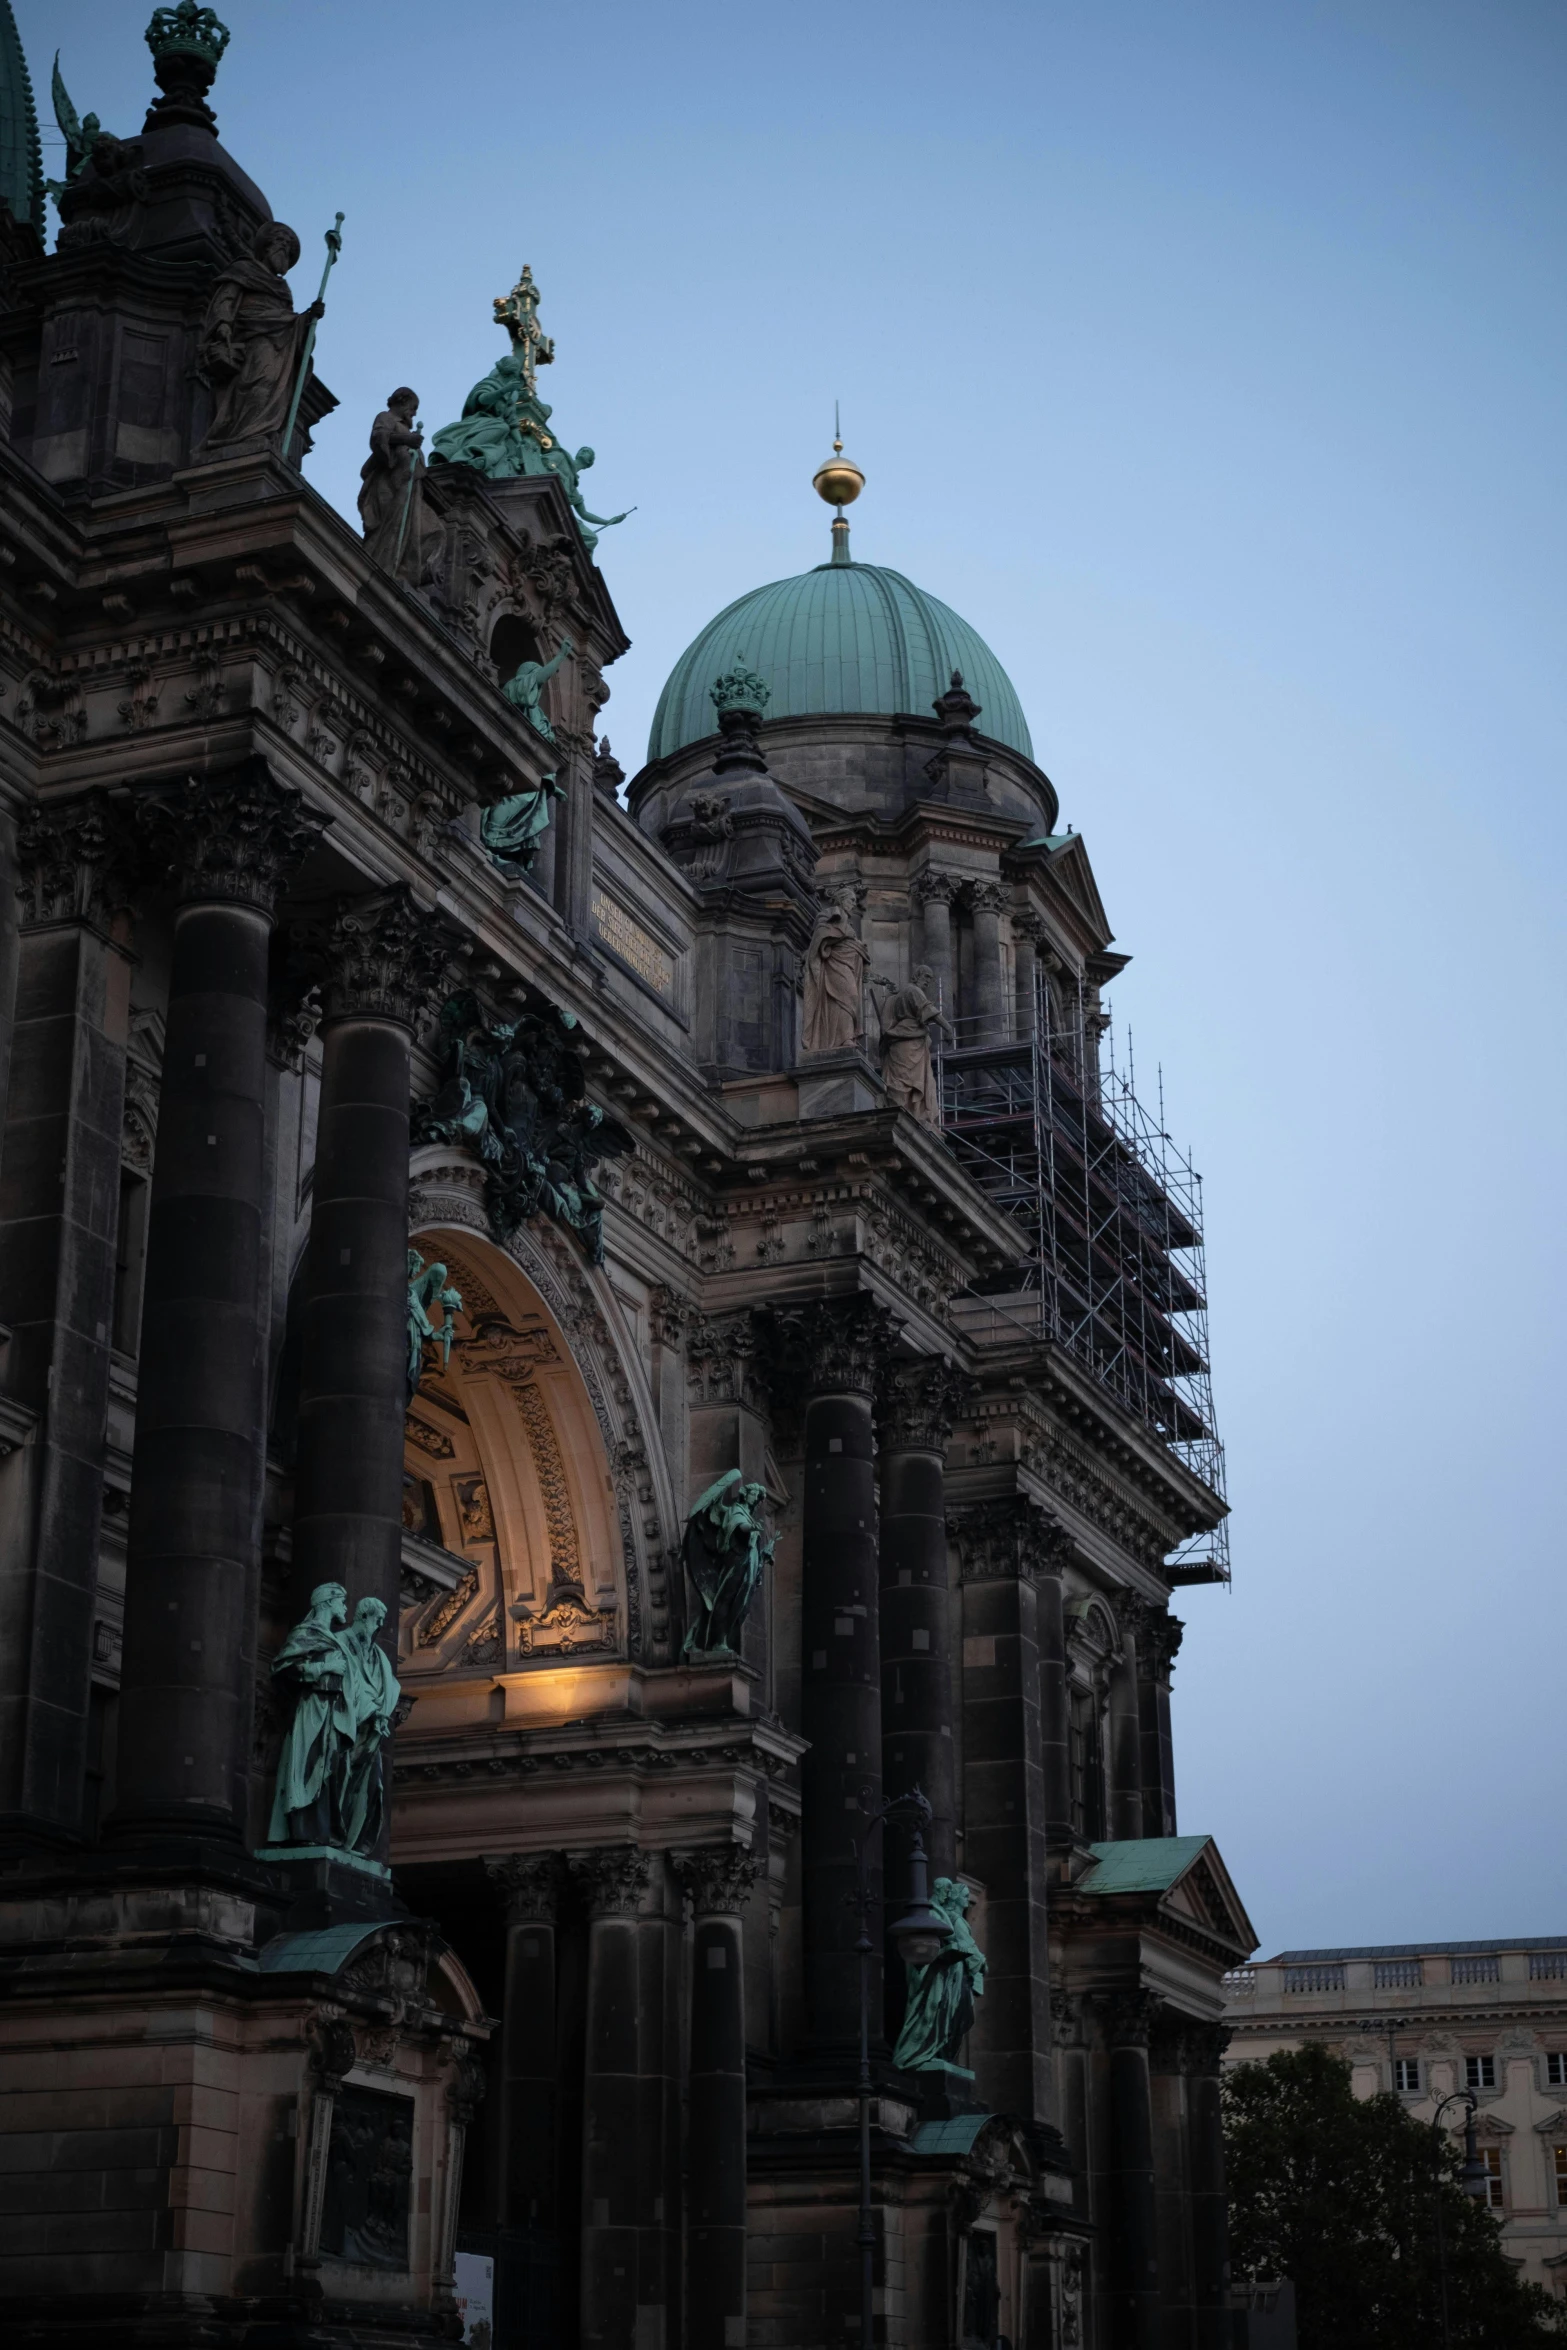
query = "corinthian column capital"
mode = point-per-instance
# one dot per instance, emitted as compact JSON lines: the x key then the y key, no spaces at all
{"x":381,"y":957}
{"x":838,"y":1346}
{"x":918,"y":1402}
{"x":718,"y":1877}
{"x":528,"y":1883}
{"x":236,"y":836}
{"x":613,"y":1877}
{"x":75,"y":861}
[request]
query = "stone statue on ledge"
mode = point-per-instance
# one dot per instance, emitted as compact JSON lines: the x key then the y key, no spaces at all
{"x":835,"y":964}
{"x":251,"y":340}
{"x":426,"y":1287}
{"x":726,"y":1554}
{"x":941,"y":1996}
{"x":907,"y":1015}
{"x":329,"y":1794}
{"x":400,"y":531}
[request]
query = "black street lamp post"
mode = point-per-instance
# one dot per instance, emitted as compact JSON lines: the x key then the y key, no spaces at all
{"x":1472,"y":2178}
{"x":920,"y":1935}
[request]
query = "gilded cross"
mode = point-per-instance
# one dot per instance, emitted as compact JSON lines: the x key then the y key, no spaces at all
{"x":518,"y":313}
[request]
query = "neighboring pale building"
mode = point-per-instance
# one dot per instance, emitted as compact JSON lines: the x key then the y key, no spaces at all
{"x":1424,"y":2018}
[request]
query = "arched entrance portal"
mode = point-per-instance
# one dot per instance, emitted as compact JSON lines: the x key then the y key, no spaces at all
{"x":505,"y":1470}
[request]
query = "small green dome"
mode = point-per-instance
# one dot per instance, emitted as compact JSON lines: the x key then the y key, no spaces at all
{"x":845,"y":639}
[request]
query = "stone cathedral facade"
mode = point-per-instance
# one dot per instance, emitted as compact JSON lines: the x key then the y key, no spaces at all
{"x":432,"y":1169}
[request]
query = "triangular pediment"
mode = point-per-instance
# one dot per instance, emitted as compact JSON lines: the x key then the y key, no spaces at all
{"x":1185,"y":1875}
{"x":1072,"y":874}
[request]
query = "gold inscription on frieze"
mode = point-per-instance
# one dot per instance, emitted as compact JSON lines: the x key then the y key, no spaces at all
{"x":633,"y":944}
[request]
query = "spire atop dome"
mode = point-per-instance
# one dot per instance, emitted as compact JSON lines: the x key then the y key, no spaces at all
{"x":839,"y":482}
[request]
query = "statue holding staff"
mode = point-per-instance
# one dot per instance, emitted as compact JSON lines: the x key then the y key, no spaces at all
{"x":400,"y":532}
{"x":726,"y":1554}
{"x":251,"y":340}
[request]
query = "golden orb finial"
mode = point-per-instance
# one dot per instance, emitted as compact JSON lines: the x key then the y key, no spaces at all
{"x":840,"y":481}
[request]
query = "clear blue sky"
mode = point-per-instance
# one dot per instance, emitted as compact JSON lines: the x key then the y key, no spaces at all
{"x":1209,"y":358}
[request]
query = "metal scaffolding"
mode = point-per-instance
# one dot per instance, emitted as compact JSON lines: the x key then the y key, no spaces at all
{"x":1050,"y":1126}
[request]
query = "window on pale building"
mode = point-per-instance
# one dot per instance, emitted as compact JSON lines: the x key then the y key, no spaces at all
{"x":1559,"y":2157}
{"x":1556,"y":2068}
{"x":1479,"y":2072}
{"x":1406,"y":2076}
{"x":1491,"y":2156}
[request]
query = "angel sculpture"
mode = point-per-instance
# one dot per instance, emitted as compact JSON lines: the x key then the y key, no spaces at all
{"x":78,"y":131}
{"x":427,"y":1286}
{"x":726,"y":1553}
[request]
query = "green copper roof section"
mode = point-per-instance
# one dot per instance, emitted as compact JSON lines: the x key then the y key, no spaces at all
{"x":1141,"y":1864}
{"x":21,"y":158}
{"x":846,"y":638}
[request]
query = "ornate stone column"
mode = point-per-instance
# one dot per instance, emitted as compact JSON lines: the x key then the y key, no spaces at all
{"x":1028,"y":928}
{"x":1000,"y":1544}
{"x":916,"y":1408}
{"x":228,"y":842}
{"x":1049,"y":1549}
{"x":1126,"y":2018}
{"x":837,"y":1349}
{"x":59,"y":1194}
{"x":934,"y":892}
{"x":526,"y":2140}
{"x":718,"y":1879}
{"x":1157,"y":1647}
{"x":1126,"y":1748}
{"x":614,"y":1883}
{"x":1203,"y":2052}
{"x":381,"y":959}
{"x":987,"y":899}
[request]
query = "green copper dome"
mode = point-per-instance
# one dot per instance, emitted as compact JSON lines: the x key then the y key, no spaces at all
{"x":846,"y":638}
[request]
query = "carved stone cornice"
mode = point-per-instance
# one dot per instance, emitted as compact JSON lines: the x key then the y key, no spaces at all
{"x":918,"y":1402}
{"x":930,"y":882}
{"x":718,"y":1878}
{"x":837,"y":1346}
{"x":381,"y":957}
{"x":237,"y":835}
{"x":613,"y":1878}
{"x":528,"y":1883}
{"x":76,"y":862}
{"x":998,"y":1540}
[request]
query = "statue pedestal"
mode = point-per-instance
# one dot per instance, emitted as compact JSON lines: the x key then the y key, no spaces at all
{"x":330,"y":1887}
{"x":832,"y":1084}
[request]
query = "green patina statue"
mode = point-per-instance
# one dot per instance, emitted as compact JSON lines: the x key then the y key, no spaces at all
{"x":426,"y":1287}
{"x":329,"y":1794}
{"x":525,"y":689}
{"x":941,"y":1995}
{"x":512,"y":829}
{"x":726,"y":1553}
{"x":504,"y":428}
{"x":514,"y":1093}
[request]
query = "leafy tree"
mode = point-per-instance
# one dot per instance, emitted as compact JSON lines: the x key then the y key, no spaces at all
{"x":1343,"y":2195}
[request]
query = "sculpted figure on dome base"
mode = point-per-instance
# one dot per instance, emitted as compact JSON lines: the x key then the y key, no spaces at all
{"x":907,"y":1015}
{"x":835,"y":964}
